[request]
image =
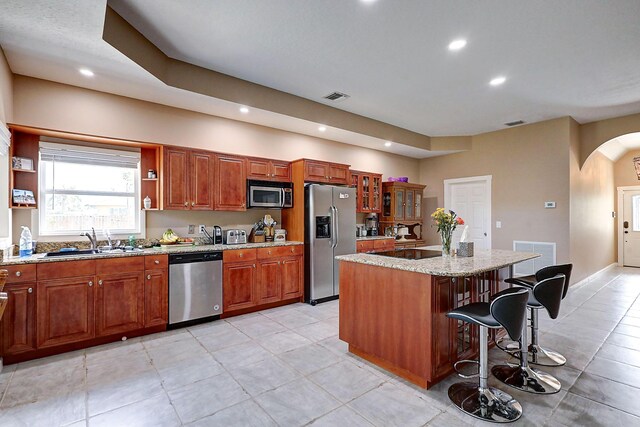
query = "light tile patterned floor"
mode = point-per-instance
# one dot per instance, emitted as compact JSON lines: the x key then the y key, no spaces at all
{"x":287,"y":367}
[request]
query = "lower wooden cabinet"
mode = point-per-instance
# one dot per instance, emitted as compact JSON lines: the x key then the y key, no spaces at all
{"x":375,"y":245}
{"x":156,"y":298}
{"x":292,"y":277}
{"x":119,"y":303}
{"x":19,"y":320}
{"x":65,"y":311}
{"x":239,"y":286}
{"x":269,"y":281}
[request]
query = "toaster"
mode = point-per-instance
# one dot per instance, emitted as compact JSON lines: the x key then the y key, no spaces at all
{"x":234,"y":236}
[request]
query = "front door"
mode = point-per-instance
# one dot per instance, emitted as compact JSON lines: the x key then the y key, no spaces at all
{"x":471,"y":200}
{"x":631,"y":228}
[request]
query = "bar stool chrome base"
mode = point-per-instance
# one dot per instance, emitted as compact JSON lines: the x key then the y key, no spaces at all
{"x":526,"y":379}
{"x":543,"y":357}
{"x":488,"y":404}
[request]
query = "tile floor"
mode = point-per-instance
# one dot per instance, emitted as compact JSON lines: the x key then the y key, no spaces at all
{"x":287,"y":367}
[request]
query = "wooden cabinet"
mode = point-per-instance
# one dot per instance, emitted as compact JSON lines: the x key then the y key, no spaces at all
{"x":332,"y":173}
{"x":255,"y":277}
{"x":239,"y":286}
{"x":156,"y":298}
{"x":19,"y":320}
{"x":188,"y":179}
{"x":402,"y":201}
{"x":364,"y":246}
{"x":65,"y":311}
{"x":268,"y":170}
{"x":377,"y":245}
{"x":369,"y":190}
{"x":230,"y":183}
{"x":119,"y":303}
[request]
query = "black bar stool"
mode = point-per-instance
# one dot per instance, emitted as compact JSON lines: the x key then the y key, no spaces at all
{"x":547,"y":293}
{"x":507,"y":310}
{"x":537,"y":354}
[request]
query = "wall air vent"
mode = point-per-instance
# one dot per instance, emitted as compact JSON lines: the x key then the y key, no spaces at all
{"x":336,"y":96}
{"x":516,"y":123}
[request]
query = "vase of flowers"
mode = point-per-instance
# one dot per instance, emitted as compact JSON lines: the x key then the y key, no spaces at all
{"x":446,"y":223}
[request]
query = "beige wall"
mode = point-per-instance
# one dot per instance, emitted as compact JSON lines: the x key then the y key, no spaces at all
{"x":593,"y":243}
{"x":529,"y":165}
{"x":45,"y":104}
{"x":6,"y":115}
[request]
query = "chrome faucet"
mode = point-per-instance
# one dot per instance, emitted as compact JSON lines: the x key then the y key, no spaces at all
{"x":92,"y":238}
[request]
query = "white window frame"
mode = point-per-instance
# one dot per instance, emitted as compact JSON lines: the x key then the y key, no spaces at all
{"x":39,"y":216}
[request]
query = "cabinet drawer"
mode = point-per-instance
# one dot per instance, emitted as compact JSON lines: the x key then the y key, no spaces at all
{"x":57,"y":270}
{"x":239,"y":255}
{"x":155,"y":262}
{"x":280,"y":251}
{"x":119,"y":265}
{"x":364,"y":246}
{"x":20,"y":273}
{"x":384,"y":244}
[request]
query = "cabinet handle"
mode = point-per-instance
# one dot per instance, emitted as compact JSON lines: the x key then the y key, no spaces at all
{"x":157,"y":261}
{"x":254,"y":266}
{"x":186,"y":203}
{"x":90,"y":283}
{"x":193,"y":203}
{"x":240,"y":254}
{"x":269,"y":251}
{"x":279,"y":262}
{"x":291,"y":250}
{"x":30,"y":290}
{"x":243,"y":205}
{"x":18,"y":273}
{"x":148,"y":277}
{"x":99,"y":282}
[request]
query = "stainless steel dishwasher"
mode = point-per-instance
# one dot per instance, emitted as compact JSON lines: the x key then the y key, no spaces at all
{"x":195,"y":286}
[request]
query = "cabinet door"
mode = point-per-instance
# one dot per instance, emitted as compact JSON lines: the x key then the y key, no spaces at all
{"x":398,"y":214}
{"x":65,"y":311}
{"x":316,"y":171}
{"x":176,"y":178}
{"x":19,"y":320}
{"x":239,"y":285}
{"x":281,"y":171}
{"x":259,"y":169}
{"x":418,"y":204}
{"x":230,"y":183}
{"x":156,"y":298}
{"x":269,"y":289}
{"x":292,"y":277}
{"x":339,"y":174}
{"x":376,"y":189}
{"x":119,"y":303}
{"x":201,"y":174}
{"x":364,"y":246}
{"x":409,"y":212}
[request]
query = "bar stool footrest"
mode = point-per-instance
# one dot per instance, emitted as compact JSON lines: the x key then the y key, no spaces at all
{"x":466,"y":361}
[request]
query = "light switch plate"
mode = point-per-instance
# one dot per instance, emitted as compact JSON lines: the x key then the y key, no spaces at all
{"x":201,"y":229}
{"x":192,"y":229}
{"x":498,"y":224}
{"x":549,"y":205}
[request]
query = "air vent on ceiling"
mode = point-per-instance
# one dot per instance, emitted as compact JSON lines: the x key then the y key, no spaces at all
{"x":516,"y":123}
{"x":336,"y":96}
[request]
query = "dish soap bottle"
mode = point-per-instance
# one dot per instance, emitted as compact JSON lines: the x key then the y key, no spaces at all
{"x":26,"y":248}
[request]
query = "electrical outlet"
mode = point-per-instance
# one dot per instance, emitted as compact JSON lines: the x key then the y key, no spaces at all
{"x":498,"y":224}
{"x":549,"y":205}
{"x":201,"y":229}
{"x":192,"y":229}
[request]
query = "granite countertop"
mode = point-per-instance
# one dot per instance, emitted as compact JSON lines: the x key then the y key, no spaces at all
{"x":39,"y":258}
{"x":483,"y":260}
{"x":373,"y":238}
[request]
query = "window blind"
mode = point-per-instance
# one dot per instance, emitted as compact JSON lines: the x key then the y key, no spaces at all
{"x":63,"y":153}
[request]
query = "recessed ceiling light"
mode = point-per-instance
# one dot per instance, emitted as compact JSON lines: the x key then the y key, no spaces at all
{"x":244,"y":110}
{"x":388,"y":144}
{"x":498,"y":81}
{"x":322,"y":128}
{"x":457,"y":44}
{"x":86,"y":72}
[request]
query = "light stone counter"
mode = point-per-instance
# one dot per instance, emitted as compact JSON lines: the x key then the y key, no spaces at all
{"x":39,"y":258}
{"x":483,"y":260}
{"x":373,"y":238}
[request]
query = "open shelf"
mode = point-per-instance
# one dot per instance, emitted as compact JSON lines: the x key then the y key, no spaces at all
{"x":24,"y":145}
{"x":23,"y":170}
{"x":150,"y":159}
{"x":149,"y":179}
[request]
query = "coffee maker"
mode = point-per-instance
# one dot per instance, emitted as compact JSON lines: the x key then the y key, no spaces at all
{"x":371,"y":223}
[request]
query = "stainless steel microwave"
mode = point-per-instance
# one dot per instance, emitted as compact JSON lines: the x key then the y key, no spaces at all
{"x":269,"y":194}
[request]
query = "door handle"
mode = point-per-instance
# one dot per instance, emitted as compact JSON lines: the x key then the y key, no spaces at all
{"x":626,"y":232}
{"x":625,"y":224}
{"x":485,"y":234}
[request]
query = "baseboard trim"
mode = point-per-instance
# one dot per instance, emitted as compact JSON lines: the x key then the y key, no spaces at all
{"x":591,"y":277}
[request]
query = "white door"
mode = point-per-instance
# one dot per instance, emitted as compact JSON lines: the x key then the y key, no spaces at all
{"x":470,"y":199}
{"x":631,"y":228}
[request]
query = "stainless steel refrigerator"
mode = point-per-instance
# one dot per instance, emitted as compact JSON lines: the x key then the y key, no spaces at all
{"x":330,"y":230}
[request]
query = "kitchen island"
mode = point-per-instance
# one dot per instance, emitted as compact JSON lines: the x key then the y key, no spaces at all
{"x":393,"y":310}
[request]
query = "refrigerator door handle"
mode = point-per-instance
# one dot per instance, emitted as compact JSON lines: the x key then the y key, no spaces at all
{"x":336,"y":228}
{"x":334,"y":240}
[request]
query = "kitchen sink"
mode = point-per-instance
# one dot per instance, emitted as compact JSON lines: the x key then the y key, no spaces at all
{"x":72,"y":253}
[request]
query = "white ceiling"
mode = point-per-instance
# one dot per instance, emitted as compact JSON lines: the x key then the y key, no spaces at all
{"x":615,"y":148}
{"x":574,"y":57}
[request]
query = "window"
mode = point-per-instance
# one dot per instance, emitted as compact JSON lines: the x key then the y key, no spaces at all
{"x":83,"y":187}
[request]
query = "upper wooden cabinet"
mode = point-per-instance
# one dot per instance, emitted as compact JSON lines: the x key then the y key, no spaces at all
{"x":230,"y":183}
{"x":268,"y":170}
{"x":401,"y":201}
{"x":369,"y":191}
{"x":332,"y":173}
{"x":188,"y":179}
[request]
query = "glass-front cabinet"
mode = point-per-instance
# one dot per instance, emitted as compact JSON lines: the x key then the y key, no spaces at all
{"x":409,"y":212}
{"x":399,"y":211}
{"x":368,"y":189}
